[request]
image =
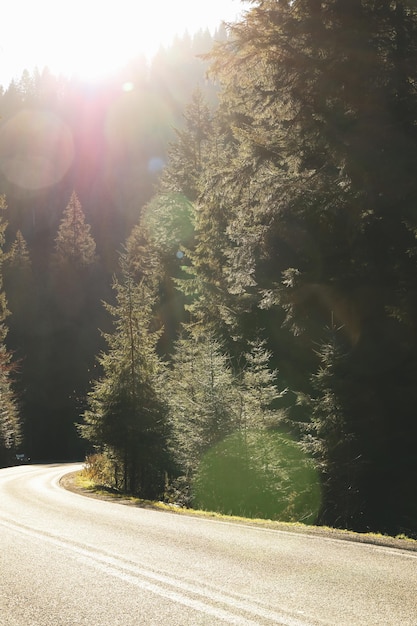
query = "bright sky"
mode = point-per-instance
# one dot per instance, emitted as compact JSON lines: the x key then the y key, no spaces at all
{"x":92,"y":37}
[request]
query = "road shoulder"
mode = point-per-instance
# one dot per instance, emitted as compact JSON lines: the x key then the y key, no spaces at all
{"x":69,"y":482}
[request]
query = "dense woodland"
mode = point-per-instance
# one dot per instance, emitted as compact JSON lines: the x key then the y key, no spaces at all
{"x":211,"y":279}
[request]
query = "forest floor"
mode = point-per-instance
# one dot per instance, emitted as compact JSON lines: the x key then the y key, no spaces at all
{"x":73,"y":482}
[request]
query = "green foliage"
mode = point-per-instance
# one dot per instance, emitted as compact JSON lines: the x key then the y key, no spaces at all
{"x":169,"y":220}
{"x":155,"y":253}
{"x":74,"y":245}
{"x":290,"y":204}
{"x":258,"y":474}
{"x":113,"y":144}
{"x":329,"y":435}
{"x":19,"y":283}
{"x":201,"y":396}
{"x":318,"y":109}
{"x":188,"y":154}
{"x":258,"y":390}
{"x":19,"y":257}
{"x":10,"y":426}
{"x":100,"y":470}
{"x":125,"y":418}
{"x":223,"y":425}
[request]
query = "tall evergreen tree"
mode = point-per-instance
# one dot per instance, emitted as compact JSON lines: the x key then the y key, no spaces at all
{"x":19,"y":257}
{"x":195,"y":170}
{"x":201,"y":395}
{"x":74,"y":244}
{"x":68,"y":338}
{"x":321,"y":100}
{"x":125,"y":418}
{"x":188,"y":154}
{"x":155,"y":253}
{"x":10,"y":427}
{"x":328,"y":435}
{"x":19,"y":283}
{"x":258,"y":389}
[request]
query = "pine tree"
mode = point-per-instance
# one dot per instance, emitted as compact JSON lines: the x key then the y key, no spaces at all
{"x":169,"y":221}
{"x":258,"y":390}
{"x":188,"y":154}
{"x":204,"y":281}
{"x":155,"y":253}
{"x":75,"y":277}
{"x":10,"y":427}
{"x":254,"y":468}
{"x":201,"y":395}
{"x":188,"y":159}
{"x":74,"y":245}
{"x":321,"y":102}
{"x":329,"y":437}
{"x":126,"y":419}
{"x":19,"y":281}
{"x":19,"y":257}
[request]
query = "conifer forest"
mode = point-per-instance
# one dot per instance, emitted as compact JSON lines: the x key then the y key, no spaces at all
{"x":208,"y":268}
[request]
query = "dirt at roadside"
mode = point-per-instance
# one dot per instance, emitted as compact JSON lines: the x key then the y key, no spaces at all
{"x":69,"y":482}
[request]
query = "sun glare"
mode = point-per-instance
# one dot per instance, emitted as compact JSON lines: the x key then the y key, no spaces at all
{"x":101,"y":37}
{"x":92,"y":38}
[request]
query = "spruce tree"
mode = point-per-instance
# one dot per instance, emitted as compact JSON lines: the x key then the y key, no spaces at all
{"x":125,"y":419}
{"x":189,"y":153}
{"x":71,"y":304}
{"x":201,"y":395}
{"x":156,"y":254}
{"x":18,"y":278}
{"x":258,"y":389}
{"x":328,"y":435}
{"x":74,"y":245}
{"x":10,"y":427}
{"x":321,"y":102}
{"x":18,"y":256}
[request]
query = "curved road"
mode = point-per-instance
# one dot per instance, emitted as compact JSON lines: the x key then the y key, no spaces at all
{"x":68,"y":560}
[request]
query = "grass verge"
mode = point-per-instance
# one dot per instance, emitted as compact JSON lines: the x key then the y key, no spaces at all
{"x":79,"y":482}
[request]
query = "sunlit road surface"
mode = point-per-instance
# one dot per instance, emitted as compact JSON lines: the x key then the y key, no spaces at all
{"x":69,"y":560}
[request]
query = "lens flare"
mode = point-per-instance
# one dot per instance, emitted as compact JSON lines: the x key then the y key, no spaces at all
{"x":259,"y":474}
{"x":155,"y":165}
{"x":36,"y":149}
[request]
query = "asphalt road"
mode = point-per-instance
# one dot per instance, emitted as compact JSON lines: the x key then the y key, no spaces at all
{"x":69,"y":560}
